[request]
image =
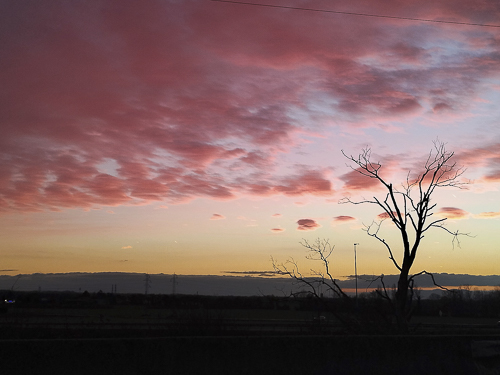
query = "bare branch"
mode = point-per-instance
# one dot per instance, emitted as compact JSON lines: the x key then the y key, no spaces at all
{"x":374,"y":234}
{"x":321,"y":250}
{"x":384,"y":295}
{"x":318,"y":251}
{"x":432,"y":277}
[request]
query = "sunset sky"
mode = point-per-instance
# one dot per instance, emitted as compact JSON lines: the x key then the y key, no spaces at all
{"x":201,"y":137}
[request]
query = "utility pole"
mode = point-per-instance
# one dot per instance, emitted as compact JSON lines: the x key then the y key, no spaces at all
{"x":174,"y":282}
{"x":356,"y":271}
{"x":147,"y":283}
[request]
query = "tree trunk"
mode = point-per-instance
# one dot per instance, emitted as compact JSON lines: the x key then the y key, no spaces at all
{"x":401,"y":304}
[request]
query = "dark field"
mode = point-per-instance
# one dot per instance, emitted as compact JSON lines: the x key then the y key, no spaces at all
{"x":246,"y":355}
{"x":129,"y":321}
{"x":212,"y":335}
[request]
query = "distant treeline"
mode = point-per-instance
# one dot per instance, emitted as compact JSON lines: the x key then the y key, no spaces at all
{"x":458,"y":302}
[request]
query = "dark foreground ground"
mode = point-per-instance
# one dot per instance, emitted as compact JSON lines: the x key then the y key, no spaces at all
{"x":77,"y":336}
{"x":254,"y":355}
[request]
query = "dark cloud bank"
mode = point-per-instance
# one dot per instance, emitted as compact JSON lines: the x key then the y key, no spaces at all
{"x":211,"y":285}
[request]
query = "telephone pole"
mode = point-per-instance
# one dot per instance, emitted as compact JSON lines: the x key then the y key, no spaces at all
{"x":147,"y":283}
{"x":356,"y":271}
{"x":174,"y":282}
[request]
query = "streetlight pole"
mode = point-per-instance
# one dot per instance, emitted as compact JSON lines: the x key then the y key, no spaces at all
{"x":356,"y":270}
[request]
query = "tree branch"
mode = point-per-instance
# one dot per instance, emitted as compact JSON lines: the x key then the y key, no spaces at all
{"x":375,"y":235}
{"x":319,"y":251}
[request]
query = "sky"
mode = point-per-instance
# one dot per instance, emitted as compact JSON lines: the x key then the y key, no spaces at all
{"x":202,"y":137}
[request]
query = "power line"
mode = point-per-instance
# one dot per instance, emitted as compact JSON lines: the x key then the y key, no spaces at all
{"x":357,"y":14}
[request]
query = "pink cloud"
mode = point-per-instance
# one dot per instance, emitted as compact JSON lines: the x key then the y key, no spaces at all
{"x":276,"y":215}
{"x":480,"y":155}
{"x":487,"y":156}
{"x":387,"y":166}
{"x":353,"y":180}
{"x":309,"y":182}
{"x":185,"y":187}
{"x":343,"y":219}
{"x":217,"y":217}
{"x":277,"y":230}
{"x":385,"y":215}
{"x":493,"y":175}
{"x":149,"y":190}
{"x":166,"y":93}
{"x":307,"y":225}
{"x":134,"y":170}
{"x":442,"y":107}
{"x":453,"y":213}
{"x":488,"y":215}
{"x":303,"y":183}
{"x":257,"y":159}
{"x":109,"y":189}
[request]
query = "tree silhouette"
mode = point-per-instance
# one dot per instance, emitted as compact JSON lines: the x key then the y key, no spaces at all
{"x":321,"y":280}
{"x":410,"y":209}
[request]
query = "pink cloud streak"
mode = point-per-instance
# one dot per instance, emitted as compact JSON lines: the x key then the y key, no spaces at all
{"x":217,"y":217}
{"x":453,"y":213}
{"x":343,"y":219}
{"x":488,"y":215}
{"x":277,"y":230}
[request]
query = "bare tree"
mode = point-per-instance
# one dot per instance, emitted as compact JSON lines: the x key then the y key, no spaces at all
{"x":410,"y":208}
{"x":319,"y":280}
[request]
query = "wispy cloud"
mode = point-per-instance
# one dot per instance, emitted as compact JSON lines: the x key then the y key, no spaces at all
{"x":385,"y":215}
{"x":126,"y":247}
{"x":217,"y":217}
{"x":251,"y":273}
{"x":488,"y":215}
{"x":303,"y":183}
{"x":343,"y":219}
{"x":277,"y":230}
{"x":453,"y":213}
